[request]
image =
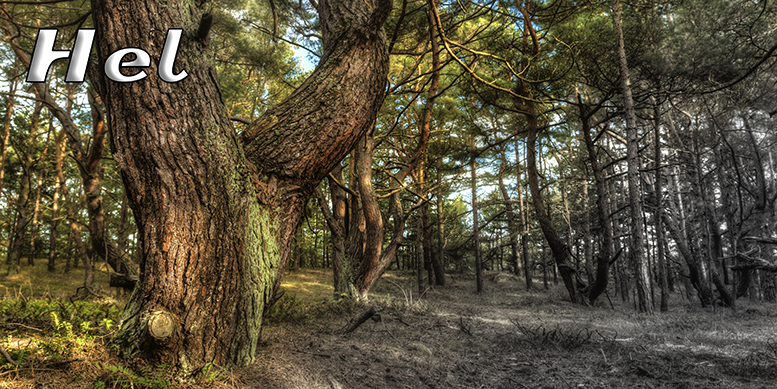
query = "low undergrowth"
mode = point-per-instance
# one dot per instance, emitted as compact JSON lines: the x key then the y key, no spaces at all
{"x":57,"y":343}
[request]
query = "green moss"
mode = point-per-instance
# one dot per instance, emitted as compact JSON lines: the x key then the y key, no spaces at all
{"x":261,"y":262}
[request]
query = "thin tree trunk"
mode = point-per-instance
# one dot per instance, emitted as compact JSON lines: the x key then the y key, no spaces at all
{"x":475,"y":225}
{"x":60,"y":189}
{"x":36,"y":204}
{"x":512,"y":228}
{"x":558,"y":248}
{"x":419,"y":255}
{"x":523,"y":210}
{"x":641,"y":271}
{"x":439,"y":265}
{"x":9,"y":108}
{"x":527,"y":106}
{"x":335,"y":219}
{"x":22,"y":205}
{"x":658,"y":214}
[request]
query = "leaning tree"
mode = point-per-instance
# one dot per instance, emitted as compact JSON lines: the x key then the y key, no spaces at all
{"x":216,"y":210}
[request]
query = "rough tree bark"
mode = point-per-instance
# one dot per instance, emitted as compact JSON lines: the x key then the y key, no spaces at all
{"x":216,"y":211}
{"x":366,"y":253}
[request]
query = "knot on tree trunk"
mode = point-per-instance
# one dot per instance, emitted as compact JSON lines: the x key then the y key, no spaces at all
{"x":161,"y":325}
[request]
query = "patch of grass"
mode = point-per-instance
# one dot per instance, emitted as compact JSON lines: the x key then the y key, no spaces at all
{"x":289,"y":308}
{"x":36,"y":282}
{"x":63,"y":344}
{"x":310,"y":284}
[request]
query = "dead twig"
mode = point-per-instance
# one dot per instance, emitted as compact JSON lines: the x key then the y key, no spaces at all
{"x":21,"y":325}
{"x":356,"y":322}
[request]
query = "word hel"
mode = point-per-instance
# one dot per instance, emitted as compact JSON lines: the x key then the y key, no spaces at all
{"x":44,"y":54}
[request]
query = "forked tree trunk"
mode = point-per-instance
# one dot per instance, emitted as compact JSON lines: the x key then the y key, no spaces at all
{"x":216,"y":211}
{"x":603,"y":214}
{"x":336,"y":218}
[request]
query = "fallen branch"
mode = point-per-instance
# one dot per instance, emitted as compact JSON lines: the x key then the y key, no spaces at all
{"x":760,"y":239}
{"x":356,"y":322}
{"x":21,"y":325}
{"x":65,"y":362}
{"x":6,"y":355}
{"x":754,"y":263}
{"x":125,"y":281}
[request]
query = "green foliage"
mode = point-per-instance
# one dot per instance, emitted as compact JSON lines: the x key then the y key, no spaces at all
{"x":67,"y":328}
{"x":51,"y":315}
{"x":65,"y":341}
{"x":115,"y":376}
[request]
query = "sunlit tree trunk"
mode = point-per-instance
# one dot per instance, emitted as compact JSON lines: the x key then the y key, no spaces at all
{"x":215,"y":210}
{"x":336,"y":221}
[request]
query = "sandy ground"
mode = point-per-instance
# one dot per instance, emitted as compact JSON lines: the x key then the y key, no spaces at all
{"x":453,"y":338}
{"x":510,"y":338}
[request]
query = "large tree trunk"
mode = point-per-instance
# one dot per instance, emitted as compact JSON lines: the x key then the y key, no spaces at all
{"x":641,"y":271}
{"x":216,"y":212}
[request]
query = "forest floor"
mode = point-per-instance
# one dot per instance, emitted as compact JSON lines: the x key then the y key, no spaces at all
{"x":509,"y":338}
{"x":504,"y":337}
